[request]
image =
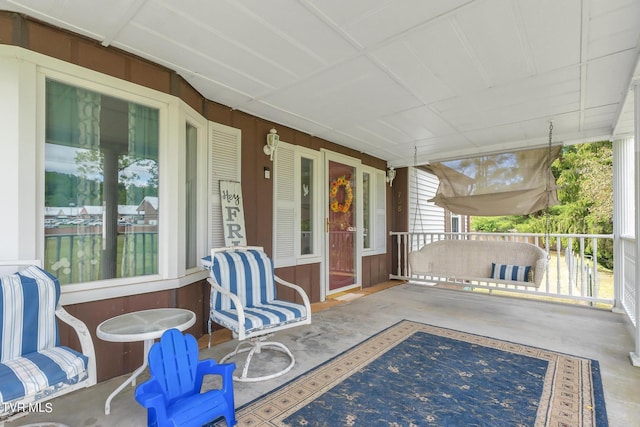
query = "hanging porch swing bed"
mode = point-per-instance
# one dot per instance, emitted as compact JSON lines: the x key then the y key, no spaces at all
{"x":515,"y":183}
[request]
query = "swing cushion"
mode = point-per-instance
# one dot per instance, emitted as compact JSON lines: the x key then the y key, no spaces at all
{"x":478,"y":260}
{"x":520,"y":273}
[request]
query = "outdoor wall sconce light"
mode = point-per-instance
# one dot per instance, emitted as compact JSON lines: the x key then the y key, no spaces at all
{"x":272,"y":143}
{"x":391,"y":175}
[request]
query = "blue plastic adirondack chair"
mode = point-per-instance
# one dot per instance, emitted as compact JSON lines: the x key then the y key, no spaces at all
{"x":172,"y":395}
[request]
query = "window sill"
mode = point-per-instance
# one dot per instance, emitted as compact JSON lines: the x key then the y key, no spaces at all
{"x":96,"y":291}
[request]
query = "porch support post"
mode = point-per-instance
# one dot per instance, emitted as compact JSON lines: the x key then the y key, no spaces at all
{"x":635,"y":356}
{"x":622,"y":207}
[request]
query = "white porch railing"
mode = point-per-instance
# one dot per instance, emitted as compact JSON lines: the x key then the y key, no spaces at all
{"x":572,"y":275}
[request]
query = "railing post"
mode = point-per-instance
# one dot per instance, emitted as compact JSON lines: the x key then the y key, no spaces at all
{"x":635,"y":357}
{"x":622,"y":221}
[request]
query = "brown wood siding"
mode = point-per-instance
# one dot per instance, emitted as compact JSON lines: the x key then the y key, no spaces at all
{"x":6,"y":29}
{"x":307,"y":276}
{"x":115,"y":359}
{"x":375,"y":269}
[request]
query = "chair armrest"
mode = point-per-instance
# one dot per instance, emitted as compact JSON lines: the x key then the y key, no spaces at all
{"x":211,"y":367}
{"x":84,"y":336}
{"x":540,"y":269}
{"x":299,"y":290}
{"x":149,"y":395}
{"x":236,"y":301}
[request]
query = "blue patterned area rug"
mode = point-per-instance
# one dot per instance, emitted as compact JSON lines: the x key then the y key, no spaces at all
{"x":413,"y":374}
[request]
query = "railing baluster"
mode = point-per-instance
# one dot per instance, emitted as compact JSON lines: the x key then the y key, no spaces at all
{"x":558,"y":262}
{"x":582,"y":268}
{"x":594,"y":275}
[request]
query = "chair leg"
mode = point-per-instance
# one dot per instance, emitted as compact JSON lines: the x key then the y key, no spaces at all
{"x":256,"y":345}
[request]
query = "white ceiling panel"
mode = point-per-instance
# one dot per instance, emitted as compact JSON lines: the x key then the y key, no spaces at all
{"x":392,"y":18}
{"x":433,"y":149}
{"x":309,"y":32}
{"x":404,"y":64}
{"x":552,"y":32}
{"x":346,"y":13}
{"x":443,"y":49}
{"x":419,"y":123}
{"x":544,"y":95}
{"x":211,"y":89}
{"x":495,"y":36}
{"x":492,"y":135}
{"x":187,"y":62}
{"x":537,"y":130}
{"x":387,"y":77}
{"x":349,"y":93}
{"x":613,"y":27}
{"x":604,"y":86}
{"x":294,"y":121}
{"x":599,"y":119}
{"x":379,"y":132}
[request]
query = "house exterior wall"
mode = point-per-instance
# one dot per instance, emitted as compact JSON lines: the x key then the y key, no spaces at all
{"x":118,"y":358}
{"x":424,"y":216}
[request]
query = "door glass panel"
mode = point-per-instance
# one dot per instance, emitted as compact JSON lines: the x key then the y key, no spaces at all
{"x":342,"y":225}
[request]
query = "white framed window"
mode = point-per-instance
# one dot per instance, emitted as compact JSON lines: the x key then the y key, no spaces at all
{"x":163,"y":164}
{"x":196,"y":208}
{"x":455,"y":223}
{"x":297,"y":234}
{"x":367,"y":211}
{"x":374,"y":211}
{"x":191,"y":196}
{"x":102,"y":185}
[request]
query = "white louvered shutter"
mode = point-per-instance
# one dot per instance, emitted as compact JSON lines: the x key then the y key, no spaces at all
{"x":285,"y":220}
{"x":224,"y":165}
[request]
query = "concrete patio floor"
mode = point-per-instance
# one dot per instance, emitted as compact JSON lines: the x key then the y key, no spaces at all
{"x":586,"y":332}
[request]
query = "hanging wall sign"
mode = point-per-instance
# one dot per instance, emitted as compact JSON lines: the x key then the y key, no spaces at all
{"x":232,"y":213}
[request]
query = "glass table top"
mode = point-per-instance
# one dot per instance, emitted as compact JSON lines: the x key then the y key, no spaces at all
{"x":145,"y":324}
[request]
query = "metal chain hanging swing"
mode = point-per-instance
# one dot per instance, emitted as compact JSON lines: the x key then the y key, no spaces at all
{"x":547,"y":212}
{"x":418,"y":210}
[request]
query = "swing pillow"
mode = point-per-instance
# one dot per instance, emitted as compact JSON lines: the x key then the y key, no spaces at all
{"x":518,"y":273}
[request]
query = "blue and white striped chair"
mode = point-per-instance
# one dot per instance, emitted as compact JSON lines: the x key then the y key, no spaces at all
{"x":34,"y":367}
{"x":243,"y":299}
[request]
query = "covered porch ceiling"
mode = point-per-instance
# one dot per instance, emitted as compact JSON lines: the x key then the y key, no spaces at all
{"x":390,"y":78}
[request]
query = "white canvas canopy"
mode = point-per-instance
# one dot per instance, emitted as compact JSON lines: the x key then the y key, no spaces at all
{"x":514,"y":183}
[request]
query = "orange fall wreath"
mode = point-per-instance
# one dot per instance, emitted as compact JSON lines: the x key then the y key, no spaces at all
{"x":347,"y":195}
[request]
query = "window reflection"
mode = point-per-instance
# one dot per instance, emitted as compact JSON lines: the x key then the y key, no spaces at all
{"x":101,"y":186}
